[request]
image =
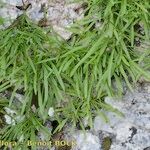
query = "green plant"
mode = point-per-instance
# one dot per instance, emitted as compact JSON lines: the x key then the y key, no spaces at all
{"x":105,"y":44}
{"x":28,"y":65}
{"x":24,"y":131}
{"x":1,"y":20}
{"x":102,"y":54}
{"x":3,"y":103}
{"x":28,"y":57}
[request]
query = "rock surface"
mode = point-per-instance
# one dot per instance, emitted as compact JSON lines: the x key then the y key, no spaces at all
{"x":126,"y":133}
{"x":133,"y":131}
{"x":87,"y":141}
{"x":59,"y":14}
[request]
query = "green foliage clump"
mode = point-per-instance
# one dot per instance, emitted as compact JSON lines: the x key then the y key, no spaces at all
{"x":106,"y":43}
{"x":28,"y":57}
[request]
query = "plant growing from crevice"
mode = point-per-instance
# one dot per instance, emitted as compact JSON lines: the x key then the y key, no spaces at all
{"x":28,"y":57}
{"x":104,"y":42}
{"x":102,"y":55}
{"x":28,"y":66}
{"x":24,"y":131}
{"x":3,"y":103}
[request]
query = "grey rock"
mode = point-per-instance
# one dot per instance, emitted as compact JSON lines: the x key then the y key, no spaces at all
{"x":60,"y":14}
{"x":133,"y":131}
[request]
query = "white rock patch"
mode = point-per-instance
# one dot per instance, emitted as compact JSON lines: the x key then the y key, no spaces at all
{"x":133,"y":131}
{"x":51,"y":112}
{"x":86,"y":141}
{"x":60,"y":13}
